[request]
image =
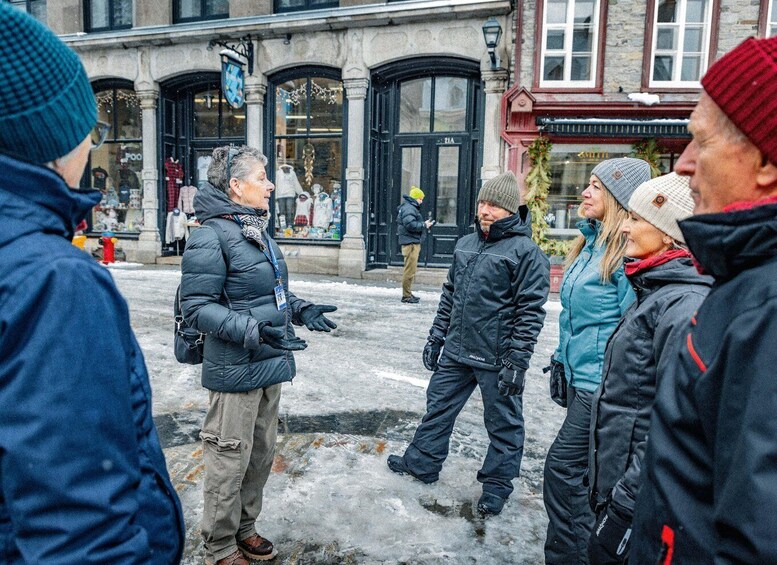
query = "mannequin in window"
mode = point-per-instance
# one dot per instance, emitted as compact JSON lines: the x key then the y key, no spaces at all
{"x":322,"y":208}
{"x":173,"y":181}
{"x":176,"y":229}
{"x":287,"y":188}
{"x":304,"y":210}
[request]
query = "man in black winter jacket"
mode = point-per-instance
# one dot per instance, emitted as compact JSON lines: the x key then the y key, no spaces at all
{"x":488,"y":320}
{"x":410,"y":228}
{"x":708,"y":490}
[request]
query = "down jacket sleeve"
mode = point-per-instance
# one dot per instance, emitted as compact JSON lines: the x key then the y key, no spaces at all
{"x":671,"y":326}
{"x":442,"y":320}
{"x":411,"y":219}
{"x":68,"y":444}
{"x":531,"y":284}
{"x":203,"y":272}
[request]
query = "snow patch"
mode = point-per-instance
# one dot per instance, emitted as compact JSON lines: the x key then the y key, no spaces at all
{"x":644,"y":98}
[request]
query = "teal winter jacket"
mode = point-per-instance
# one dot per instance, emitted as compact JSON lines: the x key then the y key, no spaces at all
{"x":590,"y":311}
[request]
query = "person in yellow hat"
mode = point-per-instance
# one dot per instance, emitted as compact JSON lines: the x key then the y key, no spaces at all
{"x":410,"y":228}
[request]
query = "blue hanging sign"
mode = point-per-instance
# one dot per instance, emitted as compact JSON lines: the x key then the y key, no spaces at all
{"x":233,"y":82}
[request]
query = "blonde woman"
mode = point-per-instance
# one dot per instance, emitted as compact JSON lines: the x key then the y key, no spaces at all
{"x":594,"y":295}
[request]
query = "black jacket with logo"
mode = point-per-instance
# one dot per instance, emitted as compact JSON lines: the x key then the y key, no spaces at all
{"x":709,"y":486}
{"x":645,"y":341}
{"x":491,"y":306}
{"x":410,"y":223}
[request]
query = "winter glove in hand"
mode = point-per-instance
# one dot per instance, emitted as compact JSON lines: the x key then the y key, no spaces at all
{"x":609,"y":541}
{"x":511,"y":379}
{"x":276,"y":338}
{"x":432,"y":352}
{"x":558,"y":382}
{"x":313,"y":318}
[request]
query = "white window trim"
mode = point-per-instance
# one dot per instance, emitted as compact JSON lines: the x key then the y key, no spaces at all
{"x":770,"y":18}
{"x":680,"y":47}
{"x":568,"y":34}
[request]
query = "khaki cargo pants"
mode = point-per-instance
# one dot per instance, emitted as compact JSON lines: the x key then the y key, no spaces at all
{"x":238,"y":443}
{"x":410,"y":252}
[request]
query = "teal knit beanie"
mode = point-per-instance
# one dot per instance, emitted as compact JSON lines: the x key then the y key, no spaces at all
{"x":47,"y":105}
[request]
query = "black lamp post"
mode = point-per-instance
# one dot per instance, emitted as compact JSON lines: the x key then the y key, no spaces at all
{"x":492,"y":33}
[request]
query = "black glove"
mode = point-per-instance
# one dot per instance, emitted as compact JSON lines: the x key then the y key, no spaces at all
{"x":557,"y":381}
{"x":276,"y":338}
{"x":511,"y":379}
{"x":609,"y":541}
{"x":432,"y":352}
{"x":313,"y":317}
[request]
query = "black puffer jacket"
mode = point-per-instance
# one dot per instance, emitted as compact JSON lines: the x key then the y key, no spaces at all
{"x":410,"y":223}
{"x":491,"y":306}
{"x":645,"y":341}
{"x":709,"y":483}
{"x":225,"y":294}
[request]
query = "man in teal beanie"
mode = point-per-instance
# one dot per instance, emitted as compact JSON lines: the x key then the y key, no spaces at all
{"x":82,"y":474}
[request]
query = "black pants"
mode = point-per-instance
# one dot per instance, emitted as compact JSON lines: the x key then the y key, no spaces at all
{"x":565,"y":495}
{"x":286,"y":208}
{"x":449,"y":389}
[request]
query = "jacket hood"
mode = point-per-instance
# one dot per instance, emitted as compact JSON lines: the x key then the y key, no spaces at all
{"x":34,"y":198}
{"x":677,"y":271}
{"x":727,"y":243}
{"x":210,"y":202}
{"x":517,"y":224}
{"x":409,"y":200}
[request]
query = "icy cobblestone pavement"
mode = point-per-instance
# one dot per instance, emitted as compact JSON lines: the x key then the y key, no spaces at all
{"x":357,"y":397}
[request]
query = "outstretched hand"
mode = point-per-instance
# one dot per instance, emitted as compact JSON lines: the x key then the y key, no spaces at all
{"x":314,"y":319}
{"x":276,"y":338}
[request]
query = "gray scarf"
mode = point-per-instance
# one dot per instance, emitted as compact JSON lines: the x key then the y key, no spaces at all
{"x":253,"y":226}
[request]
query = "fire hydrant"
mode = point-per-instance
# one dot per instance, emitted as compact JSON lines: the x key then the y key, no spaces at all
{"x":109,"y":247}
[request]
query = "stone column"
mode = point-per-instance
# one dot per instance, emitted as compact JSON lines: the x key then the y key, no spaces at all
{"x":149,"y":242}
{"x":352,"y":250}
{"x":255,"y":90}
{"x":495,"y":81}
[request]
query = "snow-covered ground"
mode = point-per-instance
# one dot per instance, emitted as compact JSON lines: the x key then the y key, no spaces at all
{"x":357,"y":397}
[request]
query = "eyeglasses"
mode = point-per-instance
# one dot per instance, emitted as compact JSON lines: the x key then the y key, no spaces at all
{"x":233,"y":152}
{"x":98,"y":134}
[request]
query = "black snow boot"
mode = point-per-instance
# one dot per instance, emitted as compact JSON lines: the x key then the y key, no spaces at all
{"x":490,"y":504}
{"x":397,"y":465}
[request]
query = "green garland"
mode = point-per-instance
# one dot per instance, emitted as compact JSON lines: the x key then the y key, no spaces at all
{"x":649,"y":150}
{"x":537,"y":185}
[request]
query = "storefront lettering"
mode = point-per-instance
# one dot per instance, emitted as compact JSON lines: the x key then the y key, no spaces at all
{"x":600,"y":155}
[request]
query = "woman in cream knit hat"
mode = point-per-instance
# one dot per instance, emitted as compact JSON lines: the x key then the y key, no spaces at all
{"x":669,"y":290}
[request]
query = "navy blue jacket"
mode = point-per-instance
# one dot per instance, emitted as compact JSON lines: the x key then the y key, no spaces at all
{"x":410,"y":223}
{"x":82,"y":474}
{"x":709,"y":480}
{"x":491,"y":307}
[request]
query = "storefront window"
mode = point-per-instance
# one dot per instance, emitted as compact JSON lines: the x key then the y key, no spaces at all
{"x":308,"y":157}
{"x":212,"y":109}
{"x":449,"y":112}
{"x":115,"y":167}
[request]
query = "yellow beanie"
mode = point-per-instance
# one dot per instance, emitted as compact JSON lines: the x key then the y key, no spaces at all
{"x":416,"y":193}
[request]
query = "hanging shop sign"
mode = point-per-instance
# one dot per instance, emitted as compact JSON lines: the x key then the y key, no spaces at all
{"x":232,"y":79}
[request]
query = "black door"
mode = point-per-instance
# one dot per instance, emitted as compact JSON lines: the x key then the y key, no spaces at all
{"x":425,"y":129}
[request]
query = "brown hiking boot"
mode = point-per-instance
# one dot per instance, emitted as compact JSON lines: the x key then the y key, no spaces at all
{"x":235,"y":558}
{"x":256,"y":547}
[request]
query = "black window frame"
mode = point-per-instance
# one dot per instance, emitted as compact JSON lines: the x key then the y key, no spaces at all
{"x":111,"y":17}
{"x":28,"y":8}
{"x":178,"y":19}
{"x":277,"y":9}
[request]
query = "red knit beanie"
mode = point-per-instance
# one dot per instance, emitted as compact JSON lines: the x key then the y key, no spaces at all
{"x":743,"y":83}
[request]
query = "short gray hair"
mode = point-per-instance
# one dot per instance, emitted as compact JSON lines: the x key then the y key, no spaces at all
{"x":244,"y":159}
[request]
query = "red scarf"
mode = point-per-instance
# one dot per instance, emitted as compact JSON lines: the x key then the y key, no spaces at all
{"x":648,"y":263}
{"x":748,"y":204}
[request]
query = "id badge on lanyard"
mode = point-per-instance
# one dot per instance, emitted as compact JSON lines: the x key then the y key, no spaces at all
{"x":280,"y":292}
{"x":280,"y":297}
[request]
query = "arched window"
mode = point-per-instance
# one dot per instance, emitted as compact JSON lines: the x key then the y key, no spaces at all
{"x":307,"y":133}
{"x":115,"y":167}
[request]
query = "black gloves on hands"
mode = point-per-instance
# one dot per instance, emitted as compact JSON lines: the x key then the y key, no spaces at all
{"x":511,"y":379}
{"x":276,"y":338}
{"x":313,"y":317}
{"x":432,"y":352}
{"x":609,"y":541}
{"x":558,"y":382}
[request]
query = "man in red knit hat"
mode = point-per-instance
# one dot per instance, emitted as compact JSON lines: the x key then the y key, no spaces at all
{"x":708,"y":490}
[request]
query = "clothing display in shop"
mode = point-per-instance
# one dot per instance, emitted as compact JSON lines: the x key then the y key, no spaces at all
{"x":287,"y":188}
{"x":173,"y":181}
{"x":186,"y":199}
{"x":303,"y":213}
{"x":99,"y":177}
{"x":322,"y":211}
{"x":176,"y":228}
{"x":203,"y":162}
{"x":336,"y":203}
